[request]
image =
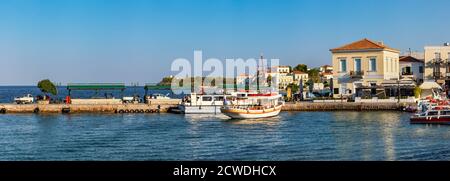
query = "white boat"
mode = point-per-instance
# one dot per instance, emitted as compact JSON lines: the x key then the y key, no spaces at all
{"x":254,"y":105}
{"x":201,"y":104}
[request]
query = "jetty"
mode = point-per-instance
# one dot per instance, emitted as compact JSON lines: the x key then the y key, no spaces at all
{"x":163,"y":107}
{"x":86,"y":108}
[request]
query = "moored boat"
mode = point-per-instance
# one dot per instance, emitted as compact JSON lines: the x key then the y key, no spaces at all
{"x":201,"y":104}
{"x":432,"y":116}
{"x":254,"y":105}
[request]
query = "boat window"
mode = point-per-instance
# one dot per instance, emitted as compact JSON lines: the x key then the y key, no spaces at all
{"x":206,"y":98}
{"x":219,"y":98}
{"x":445,"y":112}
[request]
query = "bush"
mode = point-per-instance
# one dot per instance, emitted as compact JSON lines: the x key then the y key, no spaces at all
{"x":417,"y":92}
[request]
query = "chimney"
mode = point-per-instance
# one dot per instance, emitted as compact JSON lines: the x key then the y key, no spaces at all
{"x":380,"y":43}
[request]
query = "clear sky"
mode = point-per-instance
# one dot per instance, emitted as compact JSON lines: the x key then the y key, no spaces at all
{"x":136,"y":41}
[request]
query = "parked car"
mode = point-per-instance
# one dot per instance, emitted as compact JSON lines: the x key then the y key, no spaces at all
{"x":26,"y":99}
{"x":131,"y":99}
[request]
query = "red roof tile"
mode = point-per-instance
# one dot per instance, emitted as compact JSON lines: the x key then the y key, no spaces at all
{"x":298,"y":72}
{"x":364,"y":44}
{"x":409,"y":59}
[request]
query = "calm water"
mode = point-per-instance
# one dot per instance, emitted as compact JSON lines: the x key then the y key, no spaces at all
{"x":290,"y":136}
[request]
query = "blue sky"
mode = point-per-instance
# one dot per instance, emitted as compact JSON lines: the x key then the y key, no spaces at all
{"x":136,"y":41}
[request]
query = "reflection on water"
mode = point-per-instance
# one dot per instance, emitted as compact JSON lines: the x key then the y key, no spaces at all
{"x":271,"y":121}
{"x":289,"y":136}
{"x":203,"y":117}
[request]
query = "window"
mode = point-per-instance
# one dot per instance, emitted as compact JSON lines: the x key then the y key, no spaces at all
{"x":431,"y":113}
{"x":388,"y":65}
{"x":437,"y":55}
{"x":406,"y":71}
{"x":343,"y":65}
{"x":207,"y":98}
{"x":336,"y":90}
{"x":373,"y":64}
{"x":421,"y":69}
{"x":219,"y":98}
{"x":358,"y":64}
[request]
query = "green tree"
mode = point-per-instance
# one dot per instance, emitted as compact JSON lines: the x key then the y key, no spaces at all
{"x":314,"y":75}
{"x":269,"y":80}
{"x":301,"y":67}
{"x":417,"y":92}
{"x":326,"y":84}
{"x":46,"y":86}
{"x":166,"y":81}
{"x":294,"y":88}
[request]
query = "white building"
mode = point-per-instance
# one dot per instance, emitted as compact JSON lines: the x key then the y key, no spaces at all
{"x":411,"y":67}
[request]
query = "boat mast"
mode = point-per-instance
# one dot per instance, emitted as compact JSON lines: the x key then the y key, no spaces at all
{"x":257,"y":73}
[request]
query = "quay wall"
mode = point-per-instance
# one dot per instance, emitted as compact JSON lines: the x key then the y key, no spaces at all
{"x":336,"y":106}
{"x":84,"y":108}
{"x":151,"y":108}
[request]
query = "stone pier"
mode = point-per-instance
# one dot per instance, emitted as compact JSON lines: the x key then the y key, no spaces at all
{"x":84,"y":108}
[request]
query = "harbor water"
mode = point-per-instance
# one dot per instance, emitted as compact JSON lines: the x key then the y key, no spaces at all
{"x":344,"y":135}
{"x":335,"y":135}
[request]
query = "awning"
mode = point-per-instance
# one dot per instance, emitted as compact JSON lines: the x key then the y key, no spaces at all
{"x":430,"y":85}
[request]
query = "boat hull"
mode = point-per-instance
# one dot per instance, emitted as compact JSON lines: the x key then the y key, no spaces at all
{"x":254,"y":114}
{"x":430,"y":120}
{"x":200,"y":109}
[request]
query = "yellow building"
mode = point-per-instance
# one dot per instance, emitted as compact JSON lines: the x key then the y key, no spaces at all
{"x":299,"y":75}
{"x":363,"y":64}
{"x":284,"y":80}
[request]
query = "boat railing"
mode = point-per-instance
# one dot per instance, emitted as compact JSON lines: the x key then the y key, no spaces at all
{"x":250,"y":107}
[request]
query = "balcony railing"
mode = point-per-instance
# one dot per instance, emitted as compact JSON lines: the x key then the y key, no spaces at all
{"x":437,"y":74}
{"x":437,"y":61}
{"x":407,"y":73}
{"x":356,"y":74}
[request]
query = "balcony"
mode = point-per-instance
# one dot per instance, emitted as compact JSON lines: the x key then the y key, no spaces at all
{"x":356,"y":74}
{"x":437,"y":61}
{"x":407,"y":73}
{"x":437,"y":75}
